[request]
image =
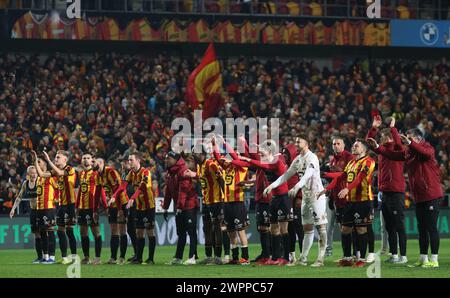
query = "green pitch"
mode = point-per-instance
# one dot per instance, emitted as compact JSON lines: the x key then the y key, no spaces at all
{"x":17,"y":263}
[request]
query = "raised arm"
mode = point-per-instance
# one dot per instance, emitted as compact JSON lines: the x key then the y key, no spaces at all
{"x":216,"y":152}
{"x":396,"y":137}
{"x":17,"y":200}
{"x":372,"y":133}
{"x":398,"y":155}
{"x":55,"y":169}
{"x":259,"y":164}
{"x":40,"y":172}
{"x":425,"y":152}
{"x":284,"y":178}
{"x":240,"y":163}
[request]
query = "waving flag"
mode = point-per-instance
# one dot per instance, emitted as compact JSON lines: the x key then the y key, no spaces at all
{"x":204,"y":85}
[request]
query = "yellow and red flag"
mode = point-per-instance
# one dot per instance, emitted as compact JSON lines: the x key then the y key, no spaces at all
{"x":204,"y":86}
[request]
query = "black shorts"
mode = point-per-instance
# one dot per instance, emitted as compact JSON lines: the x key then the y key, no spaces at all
{"x":280,"y":209}
{"x":86,"y":217}
{"x":358,"y":214}
{"x":132,"y":214}
{"x":297,"y":216}
{"x":235,"y":216}
{"x":262,"y":215}
{"x":65,"y":215}
{"x":33,"y":221}
{"x":186,"y":220}
{"x":145,"y":219}
{"x":113,"y":212}
{"x":45,"y":218}
{"x":340,"y":214}
{"x":213,"y":212}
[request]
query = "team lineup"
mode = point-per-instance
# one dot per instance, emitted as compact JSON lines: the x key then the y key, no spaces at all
{"x":291,"y":201}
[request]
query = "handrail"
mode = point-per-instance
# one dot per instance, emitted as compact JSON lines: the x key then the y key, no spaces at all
{"x":284,"y":8}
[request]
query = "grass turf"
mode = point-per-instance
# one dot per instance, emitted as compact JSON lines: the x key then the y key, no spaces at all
{"x":17,"y":263}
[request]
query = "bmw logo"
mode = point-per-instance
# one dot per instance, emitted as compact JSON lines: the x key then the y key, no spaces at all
{"x":429,"y":34}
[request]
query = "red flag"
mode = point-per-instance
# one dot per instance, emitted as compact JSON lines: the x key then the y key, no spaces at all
{"x":204,"y":86}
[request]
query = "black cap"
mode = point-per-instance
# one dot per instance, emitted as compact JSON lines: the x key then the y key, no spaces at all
{"x":174,"y":155}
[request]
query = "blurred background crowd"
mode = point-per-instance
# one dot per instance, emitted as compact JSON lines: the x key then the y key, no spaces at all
{"x":113,"y":104}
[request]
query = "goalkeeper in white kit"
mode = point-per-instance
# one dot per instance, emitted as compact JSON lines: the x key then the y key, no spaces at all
{"x":306,"y":166}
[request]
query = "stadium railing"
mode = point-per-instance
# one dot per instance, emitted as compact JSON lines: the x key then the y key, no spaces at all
{"x":326,"y":9}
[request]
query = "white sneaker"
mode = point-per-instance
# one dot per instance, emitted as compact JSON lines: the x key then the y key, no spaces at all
{"x":402,"y":260}
{"x":175,"y":261}
{"x":190,"y":261}
{"x":302,"y":261}
{"x":226,"y":259}
{"x":96,"y":261}
{"x":292,"y":258}
{"x":370,"y":258}
{"x":392,"y":260}
{"x":317,"y":263}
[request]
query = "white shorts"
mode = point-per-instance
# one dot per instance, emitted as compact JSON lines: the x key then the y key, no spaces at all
{"x":314,"y":211}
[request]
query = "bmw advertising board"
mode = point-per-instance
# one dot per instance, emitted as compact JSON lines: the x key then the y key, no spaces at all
{"x":423,"y":33}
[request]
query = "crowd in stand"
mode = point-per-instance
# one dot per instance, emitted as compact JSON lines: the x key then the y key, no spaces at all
{"x":111,"y":104}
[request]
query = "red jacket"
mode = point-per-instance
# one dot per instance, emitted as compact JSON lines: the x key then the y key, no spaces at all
{"x":390,"y":171}
{"x":337,"y":164}
{"x":180,"y":188}
{"x":422,"y":168}
{"x":292,"y":152}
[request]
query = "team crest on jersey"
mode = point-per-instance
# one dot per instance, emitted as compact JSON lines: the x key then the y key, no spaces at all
{"x":350,"y":177}
{"x":84,"y":187}
{"x":203,"y":183}
{"x":39,"y":190}
{"x":229,"y":179}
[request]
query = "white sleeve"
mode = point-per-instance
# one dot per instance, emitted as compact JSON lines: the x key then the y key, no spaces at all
{"x":285,"y":177}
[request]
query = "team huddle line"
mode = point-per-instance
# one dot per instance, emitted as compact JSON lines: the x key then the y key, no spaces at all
{"x":291,"y":201}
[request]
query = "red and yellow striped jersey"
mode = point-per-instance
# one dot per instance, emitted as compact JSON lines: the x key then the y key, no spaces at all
{"x":86,"y":191}
{"x":46,"y":189}
{"x":66,"y":186}
{"x":142,"y":179}
{"x":207,"y":172}
{"x":233,"y":175}
{"x":363,"y":191}
{"x":110,"y":180}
